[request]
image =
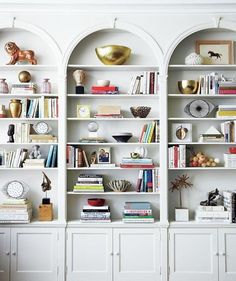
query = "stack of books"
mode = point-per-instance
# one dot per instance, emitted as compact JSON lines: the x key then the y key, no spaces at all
{"x":89,"y":183}
{"x":229,"y":131}
{"x":15,"y":211}
{"x":177,"y":156}
{"x":108,"y":111}
{"x":104,"y":90}
{"x":226,"y":111}
{"x":51,"y":161}
{"x":227,"y":87}
{"x":230,"y":160}
{"x":95,"y":214}
{"x":128,"y":162}
{"x":148,"y":181}
{"x":229,"y":201}
{"x":23,"y":88}
{"x":212,"y":214}
{"x":138,"y":212}
{"x":144,"y":84}
{"x":13,"y":159}
{"x":22,"y":132}
{"x":212,"y":135}
{"x":150,"y":133}
{"x":34,"y":163}
{"x":76,"y":157}
{"x":35,"y":138}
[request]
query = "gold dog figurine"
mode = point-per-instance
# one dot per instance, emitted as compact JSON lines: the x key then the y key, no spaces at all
{"x":19,"y":55}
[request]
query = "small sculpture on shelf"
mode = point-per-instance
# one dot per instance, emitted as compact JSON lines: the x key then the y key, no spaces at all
{"x":45,"y":209}
{"x":119,"y":185}
{"x":194,"y":59}
{"x":18,"y":55}
{"x":213,"y":199}
{"x":79,"y":77}
{"x":35,"y":153}
{"x":11,"y":132}
{"x":24,"y":76}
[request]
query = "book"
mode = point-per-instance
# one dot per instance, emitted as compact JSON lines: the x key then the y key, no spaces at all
{"x":49,"y":157}
{"x":54,"y":156}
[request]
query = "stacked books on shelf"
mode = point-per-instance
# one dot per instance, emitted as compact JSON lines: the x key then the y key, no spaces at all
{"x":23,"y":88}
{"x":145,"y":83}
{"x":89,"y":183}
{"x":34,"y":163}
{"x":108,"y":111}
{"x":76,"y":157}
{"x":128,"y":162}
{"x":51,"y":161}
{"x":38,"y":138}
{"x":177,"y":156}
{"x":148,"y":181}
{"x":137,"y":212}
{"x":229,"y":131}
{"x":150,"y":133}
{"x":15,"y":211}
{"x":212,"y":135}
{"x":230,"y":160}
{"x":226,"y":111}
{"x":227,"y":87}
{"x":99,"y":214}
{"x":212,"y":214}
{"x":40,"y":108}
{"x":104,"y":90}
{"x":229,"y":202}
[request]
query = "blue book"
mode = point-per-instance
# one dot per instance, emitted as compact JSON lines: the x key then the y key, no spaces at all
{"x":144,"y":189}
{"x":49,"y":158}
{"x":149,"y":181}
{"x":54,"y":157}
{"x":137,"y":205}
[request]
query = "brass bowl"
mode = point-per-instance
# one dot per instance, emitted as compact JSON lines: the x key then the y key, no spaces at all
{"x":188,"y":86}
{"x":113,"y":54}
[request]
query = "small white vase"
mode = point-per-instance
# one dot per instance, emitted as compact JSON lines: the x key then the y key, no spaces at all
{"x":181,"y":214}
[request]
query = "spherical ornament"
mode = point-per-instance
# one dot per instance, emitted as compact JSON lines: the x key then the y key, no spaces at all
{"x":93,"y":127}
{"x":194,"y":59}
{"x":24,"y":76}
{"x":217,"y":160}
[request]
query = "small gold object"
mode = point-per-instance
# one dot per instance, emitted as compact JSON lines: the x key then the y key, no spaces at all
{"x":24,"y":76}
{"x":45,"y":212}
{"x":134,"y":155}
{"x":188,"y":86}
{"x":15,"y":108}
{"x":181,"y":133}
{"x":113,"y":54}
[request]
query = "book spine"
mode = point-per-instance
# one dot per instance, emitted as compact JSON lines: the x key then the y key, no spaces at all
{"x":49,"y":158}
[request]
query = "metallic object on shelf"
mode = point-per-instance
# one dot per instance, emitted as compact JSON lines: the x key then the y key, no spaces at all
{"x":24,"y":76}
{"x":188,"y":87}
{"x":15,"y":107}
{"x":113,"y":54}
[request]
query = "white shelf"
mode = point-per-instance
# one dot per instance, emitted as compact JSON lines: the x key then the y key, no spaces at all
{"x":112,"y":168}
{"x":202,"y":67}
{"x":182,"y":96}
{"x":200,"y":119}
{"x":112,"y":119}
{"x":28,"y":169}
{"x":118,"y":96}
{"x":208,"y":224}
{"x":28,"y":143}
{"x":114,"y":67}
{"x":28,"y":119}
{"x":114,"y":193}
{"x":202,"y":143}
{"x":115,"y":143}
{"x":30,"y":67}
{"x":28,"y":95}
{"x":203,"y":168}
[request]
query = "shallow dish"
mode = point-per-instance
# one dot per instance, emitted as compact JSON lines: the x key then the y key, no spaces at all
{"x":232,"y":150}
{"x":96,"y":202}
{"x":103,"y":83}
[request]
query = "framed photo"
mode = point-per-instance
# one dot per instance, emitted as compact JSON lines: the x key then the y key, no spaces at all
{"x":83,"y":111}
{"x":181,"y":132}
{"x":104,"y":155}
{"x":216,"y":51}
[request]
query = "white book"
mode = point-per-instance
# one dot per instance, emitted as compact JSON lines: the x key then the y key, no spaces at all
{"x":131,"y":85}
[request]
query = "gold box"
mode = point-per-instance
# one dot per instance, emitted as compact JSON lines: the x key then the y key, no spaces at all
{"x":45,"y":212}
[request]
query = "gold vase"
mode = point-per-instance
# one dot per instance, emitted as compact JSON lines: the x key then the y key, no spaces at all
{"x":15,"y":108}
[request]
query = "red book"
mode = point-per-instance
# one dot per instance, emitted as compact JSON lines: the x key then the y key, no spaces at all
{"x":104,"y":88}
{"x":228,"y":91}
{"x":151,"y":83}
{"x":143,"y":133}
{"x":145,"y":166}
{"x":176,"y":156}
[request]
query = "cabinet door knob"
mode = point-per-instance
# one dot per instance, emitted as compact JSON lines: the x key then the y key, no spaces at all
{"x":7,"y":253}
{"x":13,"y":253}
{"x":117,"y":254}
{"x":222,"y":254}
{"x":216,"y":254}
{"x":111,"y":254}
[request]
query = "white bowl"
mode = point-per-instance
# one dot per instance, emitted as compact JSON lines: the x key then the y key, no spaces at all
{"x":103,"y":82}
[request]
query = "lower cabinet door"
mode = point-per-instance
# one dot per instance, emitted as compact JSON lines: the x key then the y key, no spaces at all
{"x":193,"y":255}
{"x":33,"y":254}
{"x":137,"y":254}
{"x":89,"y":254}
{"x":4,"y":254}
{"x":227,"y":254}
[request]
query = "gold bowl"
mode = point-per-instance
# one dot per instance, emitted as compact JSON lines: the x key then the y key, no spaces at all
{"x":188,"y":86}
{"x":113,"y":54}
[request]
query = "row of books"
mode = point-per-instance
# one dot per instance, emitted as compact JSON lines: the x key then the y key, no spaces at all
{"x":89,"y":183}
{"x":76,"y":157}
{"x":93,"y":214}
{"x":212,"y":214}
{"x":150,"y":133}
{"x":225,"y":111}
{"x":137,"y":212}
{"x":18,"y":159}
{"x":23,"y":88}
{"x":148,"y":181}
{"x":104,"y":90}
{"x":39,"y":108}
{"x":229,"y":202}
{"x":128,"y":162}
{"x":229,"y":131}
{"x":15,"y":211}
{"x":177,"y":156}
{"x":145,"y":83}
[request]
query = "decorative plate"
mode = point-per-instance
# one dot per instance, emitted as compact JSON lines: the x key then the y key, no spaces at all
{"x":42,"y":128}
{"x":15,"y":189}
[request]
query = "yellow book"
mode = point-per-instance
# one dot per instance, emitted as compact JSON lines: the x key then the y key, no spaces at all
{"x":46,"y":111}
{"x":226,"y":113}
{"x":151,"y":132}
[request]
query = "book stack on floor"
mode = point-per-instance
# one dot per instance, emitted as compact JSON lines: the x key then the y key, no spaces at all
{"x":143,"y":163}
{"x":212,"y":214}
{"x":23,"y":88}
{"x":227,"y":87}
{"x":148,"y":181}
{"x":226,"y":111}
{"x":177,"y":156}
{"x":108,"y":111}
{"x":89,"y":183}
{"x":15,"y":211}
{"x":99,"y":214}
{"x":150,"y":133}
{"x":104,"y":90}
{"x":144,"y":84}
{"x":229,"y":201}
{"x":137,"y":212}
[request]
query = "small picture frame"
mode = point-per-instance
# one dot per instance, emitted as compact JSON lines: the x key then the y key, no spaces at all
{"x":83,"y":111}
{"x":216,"y":51}
{"x":104,"y":155}
{"x":181,"y":132}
